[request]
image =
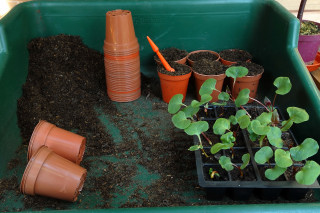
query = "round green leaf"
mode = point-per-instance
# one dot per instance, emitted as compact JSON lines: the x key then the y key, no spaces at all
{"x":228,"y":138}
{"x":208,"y":86}
{"x":197,"y":128}
{"x":274,"y":137}
{"x":274,"y":173}
{"x":233,"y":119}
{"x":244,"y":121}
{"x":236,"y":72}
{"x":223,"y":96}
{"x":283,"y":84}
{"x":309,"y":173}
{"x":225,"y":163}
{"x":240,"y":113}
{"x":265,"y":118}
{"x":263,"y":155}
{"x":218,"y":146}
{"x":220,"y":126}
{"x":175,"y":103}
{"x":297,"y":115}
{"x":282,"y":158}
{"x":205,"y":98}
{"x":190,"y":111}
{"x":258,"y":128}
{"x":195,"y":147}
{"x":245,"y":161}
{"x":243,"y":97}
{"x":180,"y":121}
{"x":308,"y":148}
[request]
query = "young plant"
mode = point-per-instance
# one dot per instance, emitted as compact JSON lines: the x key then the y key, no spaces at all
{"x":226,"y":163}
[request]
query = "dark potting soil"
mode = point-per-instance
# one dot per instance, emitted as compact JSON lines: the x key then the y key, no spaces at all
{"x":203,"y":55}
{"x":254,"y":69}
{"x":180,"y":69}
{"x":235,"y":55}
{"x":172,"y":54}
{"x":248,"y":174}
{"x":209,"y":67}
{"x":66,"y":86}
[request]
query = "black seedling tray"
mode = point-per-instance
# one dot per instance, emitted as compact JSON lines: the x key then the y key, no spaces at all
{"x":243,"y":189}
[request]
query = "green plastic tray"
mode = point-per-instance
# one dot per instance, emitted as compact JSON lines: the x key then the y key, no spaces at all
{"x":263,"y":27}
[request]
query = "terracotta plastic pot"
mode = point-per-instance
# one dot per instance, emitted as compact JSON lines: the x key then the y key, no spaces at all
{"x":200,"y":79}
{"x":48,"y":174}
{"x":181,"y":61}
{"x":316,"y":63}
{"x":199,"y":51}
{"x":172,"y":85}
{"x":124,"y":96}
{"x":67,"y":144}
{"x":250,"y":82}
{"x":228,"y":63}
{"x":123,"y":49}
{"x":308,"y":46}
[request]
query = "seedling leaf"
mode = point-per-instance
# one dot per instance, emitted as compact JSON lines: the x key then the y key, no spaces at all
{"x":282,"y":158}
{"x":283,"y":84}
{"x":220,"y":126}
{"x":240,"y":113}
{"x":308,"y":148}
{"x":263,"y":155}
{"x":190,"y":111}
{"x":274,"y":173}
{"x":308,"y":174}
{"x":208,"y":86}
{"x":225,"y":163}
{"x":205,"y":98}
{"x":195,"y":147}
{"x":258,"y":128}
{"x":180,"y":121}
{"x":197,"y":128}
{"x":218,"y":146}
{"x":274,"y":137}
{"x":297,"y":115}
{"x":228,"y":138}
{"x":286,"y":125}
{"x":236,"y":72}
{"x":175,"y":104}
{"x":265,"y":118}
{"x":243,"y":97}
{"x":245,"y":159}
{"x":244,"y":121}
{"x":233,"y":120}
{"x":223,"y":96}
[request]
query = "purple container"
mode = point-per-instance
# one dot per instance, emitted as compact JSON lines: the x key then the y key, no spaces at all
{"x":308,"y":46}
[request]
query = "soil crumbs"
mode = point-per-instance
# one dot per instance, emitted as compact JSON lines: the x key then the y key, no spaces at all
{"x":208,"y":67}
{"x":134,"y":155}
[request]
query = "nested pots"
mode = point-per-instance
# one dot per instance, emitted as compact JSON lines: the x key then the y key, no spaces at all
{"x":173,"y":83}
{"x":232,"y":56}
{"x":172,"y":54}
{"x":202,"y":54}
{"x":48,"y":174}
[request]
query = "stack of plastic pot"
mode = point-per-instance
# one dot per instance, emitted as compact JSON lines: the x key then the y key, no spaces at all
{"x":121,"y":57}
{"x":53,"y":169}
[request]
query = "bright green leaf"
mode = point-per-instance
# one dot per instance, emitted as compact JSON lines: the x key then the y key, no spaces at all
{"x":220,"y":126}
{"x":233,"y":120}
{"x":253,"y":136}
{"x":175,"y":103}
{"x":223,"y":96}
{"x":283,"y":84}
{"x":308,"y":148}
{"x":228,"y":138}
{"x":286,"y":125}
{"x":197,"y":128}
{"x":225,"y":163}
{"x":218,"y":146}
{"x":208,"y":86}
{"x":309,"y":173}
{"x":274,"y":137}
{"x":244,"y":121}
{"x":236,"y":72}
{"x":205,"y":98}
{"x":258,"y":128}
{"x":240,"y":113}
{"x":265,"y":118}
{"x":190,"y":111}
{"x":180,"y":121}
{"x":282,"y":158}
{"x":274,"y":173}
{"x":243,"y":97}
{"x":263,"y":155}
{"x":245,"y":161}
{"x":297,"y":115}
{"x":195,"y":147}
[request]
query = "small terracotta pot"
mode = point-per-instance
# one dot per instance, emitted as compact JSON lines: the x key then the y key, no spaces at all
{"x":48,"y":174}
{"x":198,"y":51}
{"x":181,"y":61}
{"x":172,"y":85}
{"x":200,"y":79}
{"x":228,"y":63}
{"x":250,"y":82}
{"x":67,"y":144}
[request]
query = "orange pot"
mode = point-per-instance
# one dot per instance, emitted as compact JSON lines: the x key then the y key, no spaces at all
{"x":172,"y":85}
{"x":200,"y":79}
{"x":198,"y":51}
{"x":228,"y":63}
{"x":250,"y":82}
{"x":48,"y":174}
{"x":181,"y":61}
{"x":67,"y":144}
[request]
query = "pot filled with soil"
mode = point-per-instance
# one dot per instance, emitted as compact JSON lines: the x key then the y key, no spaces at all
{"x":173,"y":83}
{"x":251,"y":81}
{"x":173,"y":54}
{"x":205,"y":69}
{"x":202,"y":54}
{"x":232,"y":56}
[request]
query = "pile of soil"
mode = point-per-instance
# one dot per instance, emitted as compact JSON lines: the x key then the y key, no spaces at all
{"x":254,"y":69}
{"x":180,"y":69}
{"x":209,"y":67}
{"x":172,"y":54}
{"x":235,"y":55}
{"x":203,"y":55}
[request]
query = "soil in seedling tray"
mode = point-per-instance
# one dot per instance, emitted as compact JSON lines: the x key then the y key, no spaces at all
{"x":209,"y":67}
{"x":172,"y":54}
{"x":203,"y":55}
{"x":134,"y":155}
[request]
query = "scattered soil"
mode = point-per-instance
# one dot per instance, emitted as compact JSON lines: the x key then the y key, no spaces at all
{"x":237,"y":154}
{"x":248,"y":174}
{"x":235,"y":55}
{"x":254,"y":69}
{"x":180,"y":69}
{"x":202,"y":55}
{"x":172,"y":54}
{"x":209,"y":67}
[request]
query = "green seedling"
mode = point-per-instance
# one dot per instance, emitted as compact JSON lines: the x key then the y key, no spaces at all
{"x":266,"y":129}
{"x":213,"y":173}
{"x":227,"y":165}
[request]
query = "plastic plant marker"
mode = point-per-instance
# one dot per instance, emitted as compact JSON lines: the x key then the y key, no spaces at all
{"x":274,"y":173}
{"x":297,"y":115}
{"x":282,"y":158}
{"x":180,"y":120}
{"x":308,"y":148}
{"x":283,"y":84}
{"x":162,"y":59}
{"x":263,"y":155}
{"x":220,"y":126}
{"x":274,"y":137}
{"x":175,"y":103}
{"x":309,"y":173}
